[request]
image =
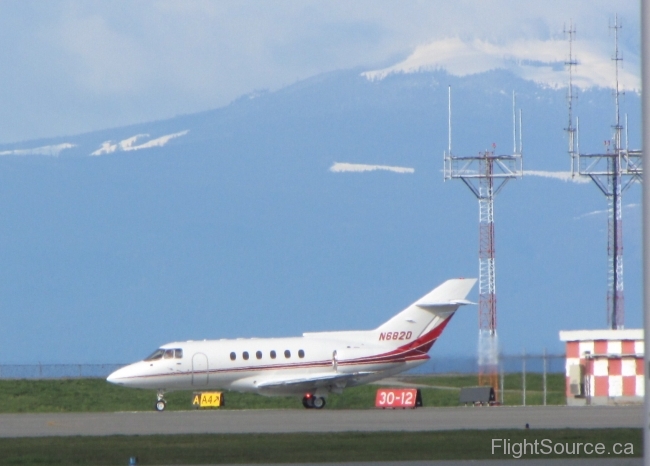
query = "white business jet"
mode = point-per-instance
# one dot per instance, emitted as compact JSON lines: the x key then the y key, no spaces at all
{"x":312,"y":366}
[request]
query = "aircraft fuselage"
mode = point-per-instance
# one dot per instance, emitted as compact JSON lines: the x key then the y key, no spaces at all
{"x":313,"y":365}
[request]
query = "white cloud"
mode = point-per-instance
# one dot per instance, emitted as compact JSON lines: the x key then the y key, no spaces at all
{"x":563,"y":176}
{"x":129,"y":144}
{"x":122,"y":62}
{"x":605,"y":212}
{"x":340,"y":167}
{"x":53,"y":150}
{"x":541,"y":61}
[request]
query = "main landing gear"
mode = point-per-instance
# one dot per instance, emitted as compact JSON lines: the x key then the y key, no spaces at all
{"x":161,"y":403}
{"x":311,"y":401}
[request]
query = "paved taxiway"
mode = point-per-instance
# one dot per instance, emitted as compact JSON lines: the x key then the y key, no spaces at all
{"x":519,"y":462}
{"x":277,"y":421}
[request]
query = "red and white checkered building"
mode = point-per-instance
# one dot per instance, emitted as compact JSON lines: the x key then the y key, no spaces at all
{"x":604,"y":366}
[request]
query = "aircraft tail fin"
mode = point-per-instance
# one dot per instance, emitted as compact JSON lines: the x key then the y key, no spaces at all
{"x":424,"y":320}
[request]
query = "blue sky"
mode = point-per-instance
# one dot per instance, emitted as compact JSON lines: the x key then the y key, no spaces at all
{"x":74,"y":66}
{"x":79,"y":66}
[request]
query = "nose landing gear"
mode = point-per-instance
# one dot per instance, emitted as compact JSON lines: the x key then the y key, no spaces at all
{"x":160,"y":403}
{"x":312,"y":401}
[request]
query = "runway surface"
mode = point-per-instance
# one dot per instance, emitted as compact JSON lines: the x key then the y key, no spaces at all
{"x":519,"y":462}
{"x":286,"y":421}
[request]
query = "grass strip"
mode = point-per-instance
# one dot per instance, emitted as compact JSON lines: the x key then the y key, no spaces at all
{"x":96,"y":395}
{"x":297,"y":448}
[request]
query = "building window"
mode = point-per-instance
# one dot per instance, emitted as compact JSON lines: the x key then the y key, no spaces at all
{"x":258,"y":355}
{"x":233,"y":356}
{"x":287,"y":354}
{"x":245,"y":355}
{"x":272,"y":354}
{"x":301,"y":354}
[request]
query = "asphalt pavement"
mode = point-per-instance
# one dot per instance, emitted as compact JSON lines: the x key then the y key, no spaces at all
{"x":287,"y":421}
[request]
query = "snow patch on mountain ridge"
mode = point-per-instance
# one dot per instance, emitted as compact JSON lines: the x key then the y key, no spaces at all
{"x":52,"y":150}
{"x":541,"y":61}
{"x":129,"y":144}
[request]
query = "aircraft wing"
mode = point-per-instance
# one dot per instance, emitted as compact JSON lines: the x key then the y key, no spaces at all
{"x":311,"y":381}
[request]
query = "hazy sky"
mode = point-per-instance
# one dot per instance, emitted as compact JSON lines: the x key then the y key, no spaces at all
{"x":74,"y":66}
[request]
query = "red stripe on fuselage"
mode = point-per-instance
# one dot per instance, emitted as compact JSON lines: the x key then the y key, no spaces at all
{"x":421,"y":345}
{"x":413,"y":351}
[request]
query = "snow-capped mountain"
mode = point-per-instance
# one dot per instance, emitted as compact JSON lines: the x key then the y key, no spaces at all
{"x":320,"y":206}
{"x":540,"y":61}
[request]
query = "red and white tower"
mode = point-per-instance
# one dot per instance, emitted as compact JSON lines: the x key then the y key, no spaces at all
{"x":614,"y":170}
{"x":485,"y":175}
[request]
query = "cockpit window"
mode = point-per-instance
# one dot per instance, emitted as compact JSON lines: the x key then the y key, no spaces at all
{"x":169,"y":354}
{"x":158,"y":354}
{"x":179,"y":353}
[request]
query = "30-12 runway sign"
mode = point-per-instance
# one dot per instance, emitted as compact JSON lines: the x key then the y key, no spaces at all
{"x":398,"y":398}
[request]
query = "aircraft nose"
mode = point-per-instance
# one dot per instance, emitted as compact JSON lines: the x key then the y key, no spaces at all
{"x":117,"y":377}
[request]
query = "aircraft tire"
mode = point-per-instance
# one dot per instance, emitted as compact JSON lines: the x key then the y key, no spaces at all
{"x":160,"y":405}
{"x":318,"y":402}
{"x":308,"y":402}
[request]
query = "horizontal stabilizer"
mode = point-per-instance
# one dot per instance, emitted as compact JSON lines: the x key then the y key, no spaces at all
{"x":450,"y":293}
{"x":454,"y":302}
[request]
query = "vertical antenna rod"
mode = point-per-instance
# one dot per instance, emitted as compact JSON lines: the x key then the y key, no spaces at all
{"x":571,"y":63}
{"x":521,"y":137}
{"x":449,"y":119}
{"x":514,"y":123}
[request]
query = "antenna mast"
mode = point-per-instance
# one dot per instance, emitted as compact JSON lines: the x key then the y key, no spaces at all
{"x":571,"y":63}
{"x":485,"y":175}
{"x":613,"y":171}
{"x":615,"y":297}
{"x":449,"y":118}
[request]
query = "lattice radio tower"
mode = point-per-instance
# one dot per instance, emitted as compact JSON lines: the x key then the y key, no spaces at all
{"x":485,"y":175}
{"x":613,"y":171}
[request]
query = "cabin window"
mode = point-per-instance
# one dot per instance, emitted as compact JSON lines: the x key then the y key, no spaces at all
{"x":301,"y":354}
{"x":169,"y":354}
{"x":245,"y":355}
{"x":233,"y":356}
{"x":272,"y":354}
{"x":287,"y":354}
{"x":178,"y":353}
{"x":258,"y":355}
{"x":158,"y":354}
